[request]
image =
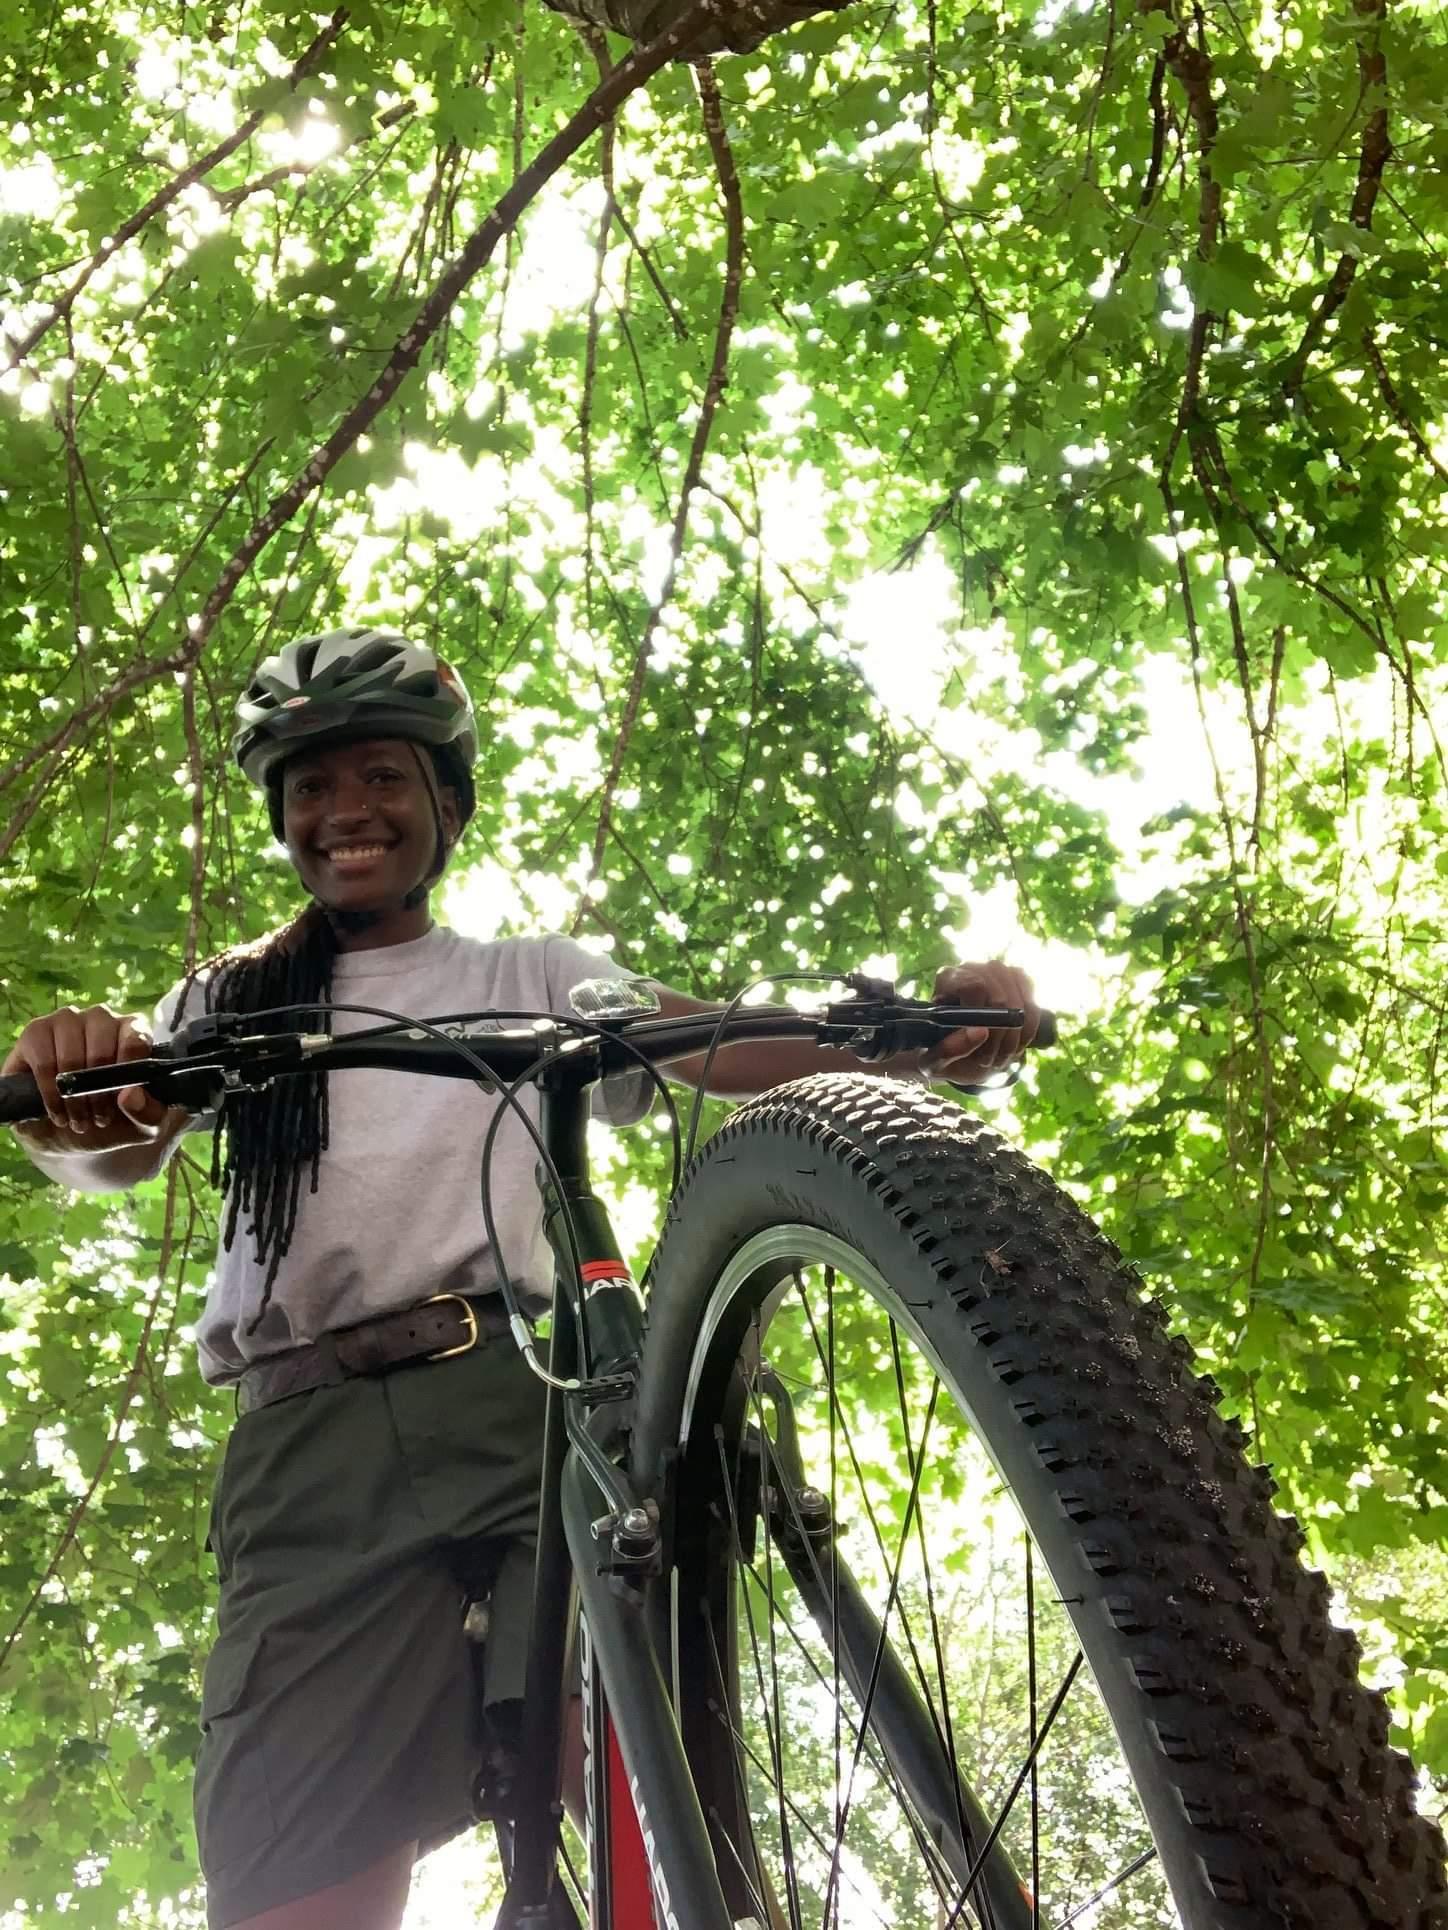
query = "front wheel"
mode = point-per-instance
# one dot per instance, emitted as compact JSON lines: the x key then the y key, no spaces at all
{"x":976,"y":1613}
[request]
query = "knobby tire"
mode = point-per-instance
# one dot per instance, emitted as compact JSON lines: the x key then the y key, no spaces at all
{"x":1262,"y":1765}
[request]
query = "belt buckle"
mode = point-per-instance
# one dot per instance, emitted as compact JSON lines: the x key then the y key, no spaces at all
{"x":446,"y":1353}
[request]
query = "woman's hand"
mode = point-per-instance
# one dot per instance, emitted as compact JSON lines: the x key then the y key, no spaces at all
{"x":71,"y":1040}
{"x":975,"y":1052}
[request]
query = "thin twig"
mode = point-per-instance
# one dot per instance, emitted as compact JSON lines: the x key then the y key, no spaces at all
{"x":1395,"y":405}
{"x":1376,"y":148}
{"x":598,"y":47}
{"x":197,"y":765}
{"x":713,"y":116}
{"x":176,"y":186}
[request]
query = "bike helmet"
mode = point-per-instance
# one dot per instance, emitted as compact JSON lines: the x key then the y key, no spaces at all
{"x":350,"y":684}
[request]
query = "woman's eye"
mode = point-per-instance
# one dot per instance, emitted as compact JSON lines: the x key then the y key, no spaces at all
{"x":385,"y":777}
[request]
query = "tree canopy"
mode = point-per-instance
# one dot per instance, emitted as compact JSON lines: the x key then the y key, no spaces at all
{"x":1098,"y":350}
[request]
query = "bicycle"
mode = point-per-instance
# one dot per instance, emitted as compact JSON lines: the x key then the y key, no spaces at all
{"x":767,"y":1676}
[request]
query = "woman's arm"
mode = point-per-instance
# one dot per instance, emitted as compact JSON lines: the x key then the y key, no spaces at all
{"x":738,"y":1071}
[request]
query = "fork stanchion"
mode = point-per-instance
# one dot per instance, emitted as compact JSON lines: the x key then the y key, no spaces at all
{"x":685,"y":1882}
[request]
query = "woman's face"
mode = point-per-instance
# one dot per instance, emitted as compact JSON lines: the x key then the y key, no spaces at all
{"x":359,"y":822}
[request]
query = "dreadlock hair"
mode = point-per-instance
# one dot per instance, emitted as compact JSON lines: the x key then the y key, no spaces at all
{"x":265,"y":1141}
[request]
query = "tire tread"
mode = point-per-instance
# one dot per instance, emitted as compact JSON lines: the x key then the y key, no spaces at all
{"x":1302,"y":1815}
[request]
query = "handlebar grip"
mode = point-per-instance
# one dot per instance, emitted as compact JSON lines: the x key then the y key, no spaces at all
{"x":20,"y":1099}
{"x":1046,"y":1030}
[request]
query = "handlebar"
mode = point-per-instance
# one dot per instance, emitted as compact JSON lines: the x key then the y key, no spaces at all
{"x":216,"y":1054}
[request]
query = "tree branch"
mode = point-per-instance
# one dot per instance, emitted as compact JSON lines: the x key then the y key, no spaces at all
{"x":1192,"y":67}
{"x":630,"y":74}
{"x":598,"y":47}
{"x":52,"y":749}
{"x":197,"y":766}
{"x":713,"y":115}
{"x":1241,"y":907}
{"x":1395,"y":405}
{"x":1376,"y":148}
{"x":177,"y":186}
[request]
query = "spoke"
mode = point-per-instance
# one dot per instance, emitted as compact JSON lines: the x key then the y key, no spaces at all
{"x":834,"y":1571}
{"x":1138,"y":1863}
{"x":921,"y":1673}
{"x":1000,"y":1822}
{"x":947,"y":1738}
{"x":880,"y":1475}
{"x":1035,"y":1782}
{"x":837,"y":1415}
{"x":741,"y":1783}
{"x":748,"y":1607}
{"x":755,"y":1897}
{"x":939,"y":1876}
{"x":937,"y":1868}
{"x":804,"y":1823}
{"x":890,"y":1601}
{"x":791,"y":1886}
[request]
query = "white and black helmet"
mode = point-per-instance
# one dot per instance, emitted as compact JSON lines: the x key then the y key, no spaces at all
{"x":351,"y":684}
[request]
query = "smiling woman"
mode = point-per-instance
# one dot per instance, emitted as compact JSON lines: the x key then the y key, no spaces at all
{"x":1059,"y":259}
{"x":357,"y":1514}
{"x":368,"y":827}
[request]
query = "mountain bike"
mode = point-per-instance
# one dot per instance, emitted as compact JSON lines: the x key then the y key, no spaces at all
{"x":921,"y":1582}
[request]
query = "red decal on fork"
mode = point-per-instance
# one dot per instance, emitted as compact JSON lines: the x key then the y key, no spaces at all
{"x":603,"y":1273}
{"x":631,"y":1884}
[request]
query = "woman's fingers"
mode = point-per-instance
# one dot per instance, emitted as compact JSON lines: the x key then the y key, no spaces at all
{"x":102,"y":1047}
{"x":134,"y":1101}
{"x":73,"y":1040}
{"x":987,"y":1049}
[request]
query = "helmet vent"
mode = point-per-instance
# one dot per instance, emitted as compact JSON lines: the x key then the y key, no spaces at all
{"x":306,"y":657}
{"x":421,"y":683}
{"x":371,"y":657}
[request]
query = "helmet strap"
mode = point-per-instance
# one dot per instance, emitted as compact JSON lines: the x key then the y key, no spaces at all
{"x":428,"y":771}
{"x":350,"y":921}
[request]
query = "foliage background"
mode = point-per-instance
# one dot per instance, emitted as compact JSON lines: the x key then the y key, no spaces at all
{"x":1123,"y":327}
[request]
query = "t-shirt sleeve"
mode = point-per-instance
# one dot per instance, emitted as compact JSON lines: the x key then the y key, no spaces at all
{"x":163,"y":1019}
{"x":625,"y":1098}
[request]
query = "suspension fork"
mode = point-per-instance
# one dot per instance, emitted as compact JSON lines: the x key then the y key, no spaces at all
{"x":649,"y":1852}
{"x":586,"y":1265}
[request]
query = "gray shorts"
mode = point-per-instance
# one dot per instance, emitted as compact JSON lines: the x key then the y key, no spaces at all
{"x":341,"y":1704}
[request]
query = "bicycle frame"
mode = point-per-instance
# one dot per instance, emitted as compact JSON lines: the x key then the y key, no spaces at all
{"x":648,"y":1838}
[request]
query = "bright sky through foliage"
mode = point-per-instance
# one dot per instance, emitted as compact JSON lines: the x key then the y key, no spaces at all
{"x":1076,"y":393}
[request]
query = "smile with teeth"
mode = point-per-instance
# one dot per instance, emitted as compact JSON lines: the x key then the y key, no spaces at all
{"x":356,"y":853}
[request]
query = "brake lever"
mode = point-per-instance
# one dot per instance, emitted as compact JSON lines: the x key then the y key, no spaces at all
{"x":873,"y":1025}
{"x":209,"y":1057}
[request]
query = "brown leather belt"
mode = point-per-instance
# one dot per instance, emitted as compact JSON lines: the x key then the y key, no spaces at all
{"x":448,"y":1323}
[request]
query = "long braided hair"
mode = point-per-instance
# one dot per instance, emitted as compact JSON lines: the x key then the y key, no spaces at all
{"x":265,"y":1142}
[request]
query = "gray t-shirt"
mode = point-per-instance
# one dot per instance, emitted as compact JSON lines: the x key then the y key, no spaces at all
{"x":397,"y":1214}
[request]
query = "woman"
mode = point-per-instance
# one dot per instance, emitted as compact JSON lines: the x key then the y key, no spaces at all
{"x":384,"y":1466}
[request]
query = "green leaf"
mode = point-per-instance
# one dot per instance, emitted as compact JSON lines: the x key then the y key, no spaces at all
{"x":16,"y":1261}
